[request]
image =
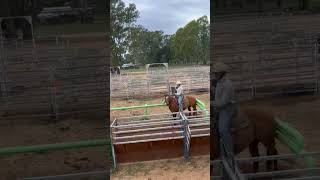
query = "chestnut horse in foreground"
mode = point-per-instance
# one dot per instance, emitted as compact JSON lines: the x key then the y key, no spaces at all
{"x":188,"y":102}
{"x":252,"y":126}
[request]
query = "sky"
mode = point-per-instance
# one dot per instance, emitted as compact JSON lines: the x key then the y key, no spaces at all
{"x":169,"y":15}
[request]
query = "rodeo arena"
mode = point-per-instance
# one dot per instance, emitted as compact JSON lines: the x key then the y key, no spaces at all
{"x":146,"y":124}
{"x":53,"y":91}
{"x":274,"y":61}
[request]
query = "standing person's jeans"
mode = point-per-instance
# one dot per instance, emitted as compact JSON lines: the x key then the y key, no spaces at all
{"x":180,"y":102}
{"x":225,"y":122}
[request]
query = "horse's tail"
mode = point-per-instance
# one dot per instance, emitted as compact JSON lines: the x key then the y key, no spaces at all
{"x":202,"y":107}
{"x":291,"y":137}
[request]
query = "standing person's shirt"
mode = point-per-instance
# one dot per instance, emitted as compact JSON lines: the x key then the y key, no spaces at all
{"x":179,"y":91}
{"x":224,"y":93}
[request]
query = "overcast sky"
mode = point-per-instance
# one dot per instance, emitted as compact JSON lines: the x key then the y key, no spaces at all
{"x":169,"y":15}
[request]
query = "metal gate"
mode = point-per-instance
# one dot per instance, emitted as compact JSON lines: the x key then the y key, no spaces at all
{"x":138,"y":138}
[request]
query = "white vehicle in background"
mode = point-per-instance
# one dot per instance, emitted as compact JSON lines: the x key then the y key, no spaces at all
{"x":128,"y":66}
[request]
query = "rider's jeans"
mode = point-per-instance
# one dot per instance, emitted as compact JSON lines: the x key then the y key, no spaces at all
{"x":180,"y":99}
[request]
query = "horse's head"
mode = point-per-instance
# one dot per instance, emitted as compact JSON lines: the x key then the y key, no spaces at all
{"x":167,"y":99}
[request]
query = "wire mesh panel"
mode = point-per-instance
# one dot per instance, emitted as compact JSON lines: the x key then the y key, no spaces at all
{"x":46,"y":80}
{"x":268,"y":54}
{"x":156,"y":83}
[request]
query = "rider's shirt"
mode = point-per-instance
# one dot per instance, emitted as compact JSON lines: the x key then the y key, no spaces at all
{"x":179,"y":91}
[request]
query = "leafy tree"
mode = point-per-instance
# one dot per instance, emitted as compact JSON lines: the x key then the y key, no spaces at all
{"x":147,"y":46}
{"x":190,"y":44}
{"x":122,"y":19}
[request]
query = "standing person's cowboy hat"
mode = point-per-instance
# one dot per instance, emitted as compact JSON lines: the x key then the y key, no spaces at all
{"x":178,"y":83}
{"x":220,"y":67}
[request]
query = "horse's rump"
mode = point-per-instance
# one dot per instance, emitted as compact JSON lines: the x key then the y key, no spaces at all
{"x":186,"y":101}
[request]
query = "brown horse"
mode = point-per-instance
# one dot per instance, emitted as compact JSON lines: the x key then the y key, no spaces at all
{"x":260,"y":128}
{"x":188,"y":102}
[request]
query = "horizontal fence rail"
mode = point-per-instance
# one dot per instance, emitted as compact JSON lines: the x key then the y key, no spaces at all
{"x":274,"y":174}
{"x":160,"y":127}
{"x":93,"y":174}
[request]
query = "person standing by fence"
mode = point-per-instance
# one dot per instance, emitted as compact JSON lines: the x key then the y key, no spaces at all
{"x":179,"y":94}
{"x":224,"y":103}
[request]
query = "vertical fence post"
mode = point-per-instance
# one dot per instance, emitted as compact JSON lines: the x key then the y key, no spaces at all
{"x":316,"y":51}
{"x":186,"y":134}
{"x":146,"y":111}
{"x":3,"y":77}
{"x":113,"y":154}
{"x":253,"y":74}
{"x":149,"y":86}
{"x":53,"y":93}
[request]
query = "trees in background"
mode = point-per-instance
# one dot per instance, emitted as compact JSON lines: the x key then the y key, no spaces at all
{"x":122,"y":20}
{"x":136,"y":44}
{"x":190,"y":44}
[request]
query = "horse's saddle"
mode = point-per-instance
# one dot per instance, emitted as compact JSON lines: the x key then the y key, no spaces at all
{"x":239,"y":121}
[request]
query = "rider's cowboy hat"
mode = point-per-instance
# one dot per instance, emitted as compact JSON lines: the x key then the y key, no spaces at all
{"x":220,"y":67}
{"x":178,"y":83}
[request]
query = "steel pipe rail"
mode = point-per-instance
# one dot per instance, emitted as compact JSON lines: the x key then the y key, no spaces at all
{"x":147,"y":129}
{"x":145,"y":124}
{"x":53,"y":147}
{"x":273,"y":157}
{"x":95,"y":174}
{"x":137,"y":107}
{"x":129,"y":130}
{"x":147,"y":135}
{"x":302,"y":178}
{"x":149,"y":140}
{"x":278,"y":173}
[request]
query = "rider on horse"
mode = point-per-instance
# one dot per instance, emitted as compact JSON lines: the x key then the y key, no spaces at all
{"x":224,"y":103}
{"x":179,"y":94}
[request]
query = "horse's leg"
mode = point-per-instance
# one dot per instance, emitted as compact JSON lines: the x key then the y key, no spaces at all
{"x":194,"y":109}
{"x":254,"y":151}
{"x":174,"y":118}
{"x":271,"y":150}
{"x":189,"y":108}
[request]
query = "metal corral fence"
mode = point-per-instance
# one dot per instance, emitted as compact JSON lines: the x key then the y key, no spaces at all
{"x":155,"y":128}
{"x":60,"y":147}
{"x":269,"y":55}
{"x":134,"y":85}
{"x":40,"y":80}
{"x":52,"y":81}
{"x":290,"y":174}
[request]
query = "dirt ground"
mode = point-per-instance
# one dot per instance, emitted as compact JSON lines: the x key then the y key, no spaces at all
{"x":174,"y":169}
{"x":38,"y":132}
{"x":302,"y":112}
